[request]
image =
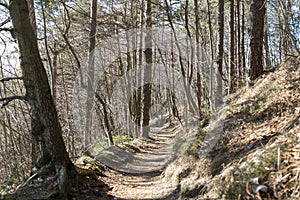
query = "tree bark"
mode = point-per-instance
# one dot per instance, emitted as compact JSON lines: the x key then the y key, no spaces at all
{"x":219,"y":71}
{"x":32,"y":17}
{"x":239,"y":58}
{"x":45,"y":125}
{"x":211,"y":71}
{"x":90,"y":77}
{"x":232,"y":79}
{"x":257,"y":16}
{"x":197,"y":37}
{"x":147,"y":72}
{"x":243,"y":39}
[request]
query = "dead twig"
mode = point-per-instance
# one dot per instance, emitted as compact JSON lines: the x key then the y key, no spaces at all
{"x":11,"y":98}
{"x":10,"y":78}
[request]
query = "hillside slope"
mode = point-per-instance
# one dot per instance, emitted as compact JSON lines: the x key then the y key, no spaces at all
{"x":257,"y":154}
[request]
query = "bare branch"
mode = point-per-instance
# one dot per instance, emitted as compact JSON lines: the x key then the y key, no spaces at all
{"x":10,"y":78}
{"x":4,"y":5}
{"x":4,"y":22}
{"x":11,"y":98}
{"x":6,"y":29}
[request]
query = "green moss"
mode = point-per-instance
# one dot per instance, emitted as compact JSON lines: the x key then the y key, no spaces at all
{"x":119,"y":139}
{"x":98,"y":148}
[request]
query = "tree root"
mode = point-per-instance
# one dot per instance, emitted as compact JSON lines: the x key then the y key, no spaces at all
{"x":62,"y":175}
{"x":42,"y":171}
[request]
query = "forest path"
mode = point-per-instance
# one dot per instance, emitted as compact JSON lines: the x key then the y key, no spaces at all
{"x":140,"y":175}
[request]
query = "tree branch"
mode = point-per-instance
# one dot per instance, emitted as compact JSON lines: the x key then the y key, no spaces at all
{"x":4,"y":5}
{"x":10,"y":78}
{"x":4,"y":22}
{"x":6,"y":29}
{"x":11,"y":98}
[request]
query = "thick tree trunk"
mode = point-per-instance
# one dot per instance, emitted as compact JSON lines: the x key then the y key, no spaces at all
{"x":32,"y":15}
{"x":34,"y":144}
{"x":46,"y":128}
{"x":257,"y":16}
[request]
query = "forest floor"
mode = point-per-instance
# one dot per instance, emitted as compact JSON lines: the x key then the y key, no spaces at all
{"x":249,"y":150}
{"x":138,"y":170}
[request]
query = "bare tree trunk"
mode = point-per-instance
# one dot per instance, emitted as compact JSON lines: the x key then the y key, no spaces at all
{"x":46,"y":44}
{"x":147,"y":72}
{"x":239,"y":59}
{"x":192,"y":107}
{"x":197,"y":33}
{"x":90,"y":77}
{"x":45,"y":124}
{"x":256,"y":36}
{"x":190,"y":43}
{"x":243,"y":40}
{"x":212,"y":92}
{"x":232,"y":79}
{"x":266,"y":45}
{"x":32,"y":15}
{"x":34,"y":146}
{"x":219,"y":72}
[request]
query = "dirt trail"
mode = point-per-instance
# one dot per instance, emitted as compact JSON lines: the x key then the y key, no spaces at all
{"x":141,"y":175}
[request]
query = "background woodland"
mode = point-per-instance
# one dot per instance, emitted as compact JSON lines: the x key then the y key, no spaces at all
{"x":220,"y":59}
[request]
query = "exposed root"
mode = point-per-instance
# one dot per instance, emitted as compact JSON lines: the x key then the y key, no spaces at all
{"x":42,"y":171}
{"x":62,"y":175}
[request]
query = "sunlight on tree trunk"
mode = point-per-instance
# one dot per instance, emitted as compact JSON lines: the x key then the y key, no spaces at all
{"x":90,"y":76}
{"x":219,"y":70}
{"x":147,"y":73}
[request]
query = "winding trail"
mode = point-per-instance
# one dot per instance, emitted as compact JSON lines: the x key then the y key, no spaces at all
{"x":141,"y":175}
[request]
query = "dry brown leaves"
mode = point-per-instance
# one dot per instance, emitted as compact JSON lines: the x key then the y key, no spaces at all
{"x":267,"y":115}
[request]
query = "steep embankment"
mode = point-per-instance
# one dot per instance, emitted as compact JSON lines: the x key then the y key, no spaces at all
{"x":257,"y":152}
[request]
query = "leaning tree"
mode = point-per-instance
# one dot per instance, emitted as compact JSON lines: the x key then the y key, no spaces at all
{"x":45,"y":126}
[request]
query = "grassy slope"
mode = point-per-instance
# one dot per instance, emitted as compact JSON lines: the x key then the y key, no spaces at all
{"x":259,"y":139}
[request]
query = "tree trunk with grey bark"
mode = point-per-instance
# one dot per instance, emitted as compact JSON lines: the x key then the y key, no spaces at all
{"x":147,"y":73}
